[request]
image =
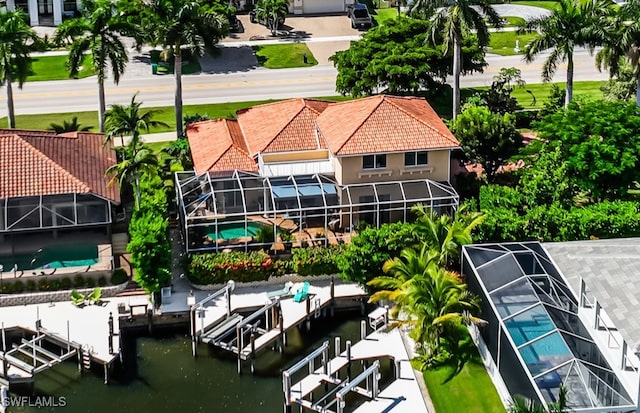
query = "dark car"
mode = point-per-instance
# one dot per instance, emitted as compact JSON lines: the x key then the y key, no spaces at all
{"x":253,"y":19}
{"x":359,"y":15}
{"x":235,"y":25}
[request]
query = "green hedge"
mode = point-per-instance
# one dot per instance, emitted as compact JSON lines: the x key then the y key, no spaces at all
{"x":45,"y":284}
{"x":259,"y":266}
{"x":316,"y":260}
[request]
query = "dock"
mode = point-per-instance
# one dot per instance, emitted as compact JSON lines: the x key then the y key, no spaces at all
{"x":216,"y":319}
{"x":90,"y":334}
{"x":402,"y":395}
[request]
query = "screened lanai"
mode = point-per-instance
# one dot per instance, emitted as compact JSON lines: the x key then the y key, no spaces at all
{"x":240,"y":209}
{"x":534,"y":334}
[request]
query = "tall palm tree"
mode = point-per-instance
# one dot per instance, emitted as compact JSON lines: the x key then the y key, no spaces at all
{"x":121,"y":120}
{"x":573,"y":23}
{"x":98,"y":32}
{"x":445,"y":234}
{"x":131,"y":168}
{"x":16,"y":39}
{"x":184,"y":24}
{"x":622,"y":40}
{"x":453,"y":21}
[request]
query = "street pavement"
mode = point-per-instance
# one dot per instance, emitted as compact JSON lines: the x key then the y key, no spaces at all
{"x":234,"y":75}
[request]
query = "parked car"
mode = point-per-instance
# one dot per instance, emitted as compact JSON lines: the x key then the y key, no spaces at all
{"x":235,"y":25}
{"x":253,"y":19}
{"x":360,"y":17}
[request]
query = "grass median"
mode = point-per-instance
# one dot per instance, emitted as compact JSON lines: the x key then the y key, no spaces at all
{"x":533,"y":100}
{"x":283,"y":56}
{"x":55,"y":68}
{"x":504,"y":43}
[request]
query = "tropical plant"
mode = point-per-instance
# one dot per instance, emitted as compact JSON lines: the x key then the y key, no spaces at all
{"x":428,"y":298}
{"x":573,"y":23}
{"x":16,"y":41}
{"x":183,"y":24}
{"x":121,"y":120}
{"x":136,"y":164}
{"x":180,"y":153}
{"x":68,"y":126}
{"x":454,"y":21}
{"x":272,"y":12}
{"x":97,"y":31}
{"x":445,"y":234}
{"x":623,"y":85}
{"x":621,"y":40}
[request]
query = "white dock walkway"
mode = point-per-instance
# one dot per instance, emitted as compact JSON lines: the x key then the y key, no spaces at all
{"x":88,"y":326}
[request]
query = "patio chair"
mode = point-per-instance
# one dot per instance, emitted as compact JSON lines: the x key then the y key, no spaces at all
{"x":77,"y":298}
{"x":285,"y":291}
{"x":95,"y":296}
{"x":302,"y":293}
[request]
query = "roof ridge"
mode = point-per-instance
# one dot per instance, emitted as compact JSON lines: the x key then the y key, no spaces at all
{"x":56,"y":165}
{"x":242,"y":134}
{"x":428,"y":124}
{"x":304,"y":105}
{"x":364,"y":120}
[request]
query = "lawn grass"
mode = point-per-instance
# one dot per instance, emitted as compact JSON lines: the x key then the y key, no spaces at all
{"x":54,"y":68}
{"x":470,"y":391}
{"x":165,"y":114}
{"x":383,"y":15}
{"x":514,"y":21}
{"x":541,"y":92}
{"x":549,"y":5}
{"x":189,"y":65}
{"x":282,"y":56}
{"x":504,"y":43}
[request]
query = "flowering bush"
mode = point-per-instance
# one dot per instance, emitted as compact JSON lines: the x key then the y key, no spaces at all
{"x":316,"y":260}
{"x":237,"y":266}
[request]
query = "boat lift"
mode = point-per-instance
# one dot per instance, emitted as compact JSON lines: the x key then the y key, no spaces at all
{"x":197,"y":309}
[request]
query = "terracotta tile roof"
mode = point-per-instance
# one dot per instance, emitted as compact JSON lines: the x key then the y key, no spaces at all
{"x":283,"y":126}
{"x":218,"y":145}
{"x":36,"y":163}
{"x":381,"y":124}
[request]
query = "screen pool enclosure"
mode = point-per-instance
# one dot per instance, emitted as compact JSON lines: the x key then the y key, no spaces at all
{"x":534,"y":334}
{"x":221,"y":210}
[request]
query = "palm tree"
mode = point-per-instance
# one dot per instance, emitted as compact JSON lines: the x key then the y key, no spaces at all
{"x":272,"y":12}
{"x":98,"y":32}
{"x":445,"y":234}
{"x":68,"y":126}
{"x":184,"y":24}
{"x":622,"y":40}
{"x":121,"y":120}
{"x":453,"y":21}
{"x":522,"y":405}
{"x":573,"y":23}
{"x":132,"y":167}
{"x":16,"y":39}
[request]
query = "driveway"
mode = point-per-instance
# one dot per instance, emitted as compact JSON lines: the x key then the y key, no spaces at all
{"x":301,"y":26}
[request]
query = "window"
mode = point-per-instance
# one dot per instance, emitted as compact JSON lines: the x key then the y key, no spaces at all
{"x":374,"y":162}
{"x":416,"y":158}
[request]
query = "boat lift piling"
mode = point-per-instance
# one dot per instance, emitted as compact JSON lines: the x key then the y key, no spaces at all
{"x":197,"y":309}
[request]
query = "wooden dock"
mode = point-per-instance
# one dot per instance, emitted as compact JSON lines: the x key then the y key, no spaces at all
{"x":402,"y":395}
{"x":221,"y":324}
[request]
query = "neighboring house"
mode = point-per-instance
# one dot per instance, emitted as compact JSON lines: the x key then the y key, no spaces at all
{"x":53,"y":192}
{"x":321,"y":164}
{"x":560,"y":314}
{"x":45,"y":12}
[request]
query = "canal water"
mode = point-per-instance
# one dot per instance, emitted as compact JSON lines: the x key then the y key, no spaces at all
{"x":159,"y":374}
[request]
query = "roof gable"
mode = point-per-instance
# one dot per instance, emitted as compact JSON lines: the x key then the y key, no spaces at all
{"x":34,"y":163}
{"x":283,"y":126}
{"x":382,"y":124}
{"x":218,"y":145}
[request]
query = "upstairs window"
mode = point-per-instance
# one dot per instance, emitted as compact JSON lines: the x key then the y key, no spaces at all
{"x":374,"y":162}
{"x":419,"y":158}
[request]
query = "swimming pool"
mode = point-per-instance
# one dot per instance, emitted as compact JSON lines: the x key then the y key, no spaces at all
{"x":234,"y":230}
{"x":76,"y":255}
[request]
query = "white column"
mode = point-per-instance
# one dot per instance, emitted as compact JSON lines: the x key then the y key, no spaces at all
{"x":57,"y":12}
{"x":33,"y":13}
{"x":11,"y":5}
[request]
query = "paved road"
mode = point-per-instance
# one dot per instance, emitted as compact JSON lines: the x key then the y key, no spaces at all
{"x":250,"y":84}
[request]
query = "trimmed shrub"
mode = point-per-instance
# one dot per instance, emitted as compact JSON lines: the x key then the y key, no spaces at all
{"x":18,"y":287}
{"x":91,"y":283}
{"x":31,"y":286}
{"x":316,"y":260}
{"x":237,"y":266}
{"x":119,"y":276}
{"x":65,"y":283}
{"x":79,"y":281}
{"x":102,"y":281}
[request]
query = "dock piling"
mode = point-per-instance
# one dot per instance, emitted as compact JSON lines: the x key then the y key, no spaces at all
{"x":332,"y":291}
{"x":363,"y":330}
{"x":348,"y":358}
{"x":308,"y":302}
{"x":4,"y":395}
{"x":337,"y":346}
{"x":110,"y":324}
